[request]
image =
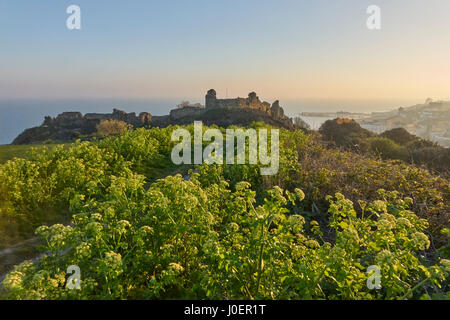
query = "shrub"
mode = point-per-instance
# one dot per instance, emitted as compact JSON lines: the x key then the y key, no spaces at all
{"x":146,"y":149}
{"x":387,"y":148}
{"x":435,"y":158}
{"x":400,"y":136}
{"x":112,"y":127}
{"x":227,"y":232}
{"x":38,"y":191}
{"x":345,"y":133}
{"x":181,"y":240}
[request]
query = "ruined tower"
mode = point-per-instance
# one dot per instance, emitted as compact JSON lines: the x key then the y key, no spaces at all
{"x":276,"y":111}
{"x":210,"y":99}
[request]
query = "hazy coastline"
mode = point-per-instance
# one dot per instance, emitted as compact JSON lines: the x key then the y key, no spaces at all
{"x":16,"y":115}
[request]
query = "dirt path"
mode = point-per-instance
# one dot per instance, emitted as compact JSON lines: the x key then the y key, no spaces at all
{"x":19,"y":245}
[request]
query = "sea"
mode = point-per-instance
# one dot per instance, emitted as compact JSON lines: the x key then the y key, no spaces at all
{"x":16,"y":115}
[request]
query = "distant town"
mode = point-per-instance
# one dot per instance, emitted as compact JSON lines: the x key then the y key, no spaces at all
{"x":430,"y":120}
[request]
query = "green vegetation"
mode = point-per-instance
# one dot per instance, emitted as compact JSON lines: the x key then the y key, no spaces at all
{"x":395,"y":144}
{"x":8,"y":152}
{"x":112,"y":127}
{"x":402,"y":137}
{"x":224,"y":231}
{"x":346,"y":133}
{"x":386,"y":148}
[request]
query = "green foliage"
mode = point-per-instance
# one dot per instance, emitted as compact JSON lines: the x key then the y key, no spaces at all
{"x":346,"y":133}
{"x":224,"y":232}
{"x":435,"y":158}
{"x":399,"y":136}
{"x":181,"y":240}
{"x":9,"y":152}
{"x":38,"y":191}
{"x":395,"y":144}
{"x":112,"y":127}
{"x":321,"y":172}
{"x":420,"y":151}
{"x":386,"y":148}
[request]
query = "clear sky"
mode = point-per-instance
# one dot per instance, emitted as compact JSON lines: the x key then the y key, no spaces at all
{"x":281,"y":49}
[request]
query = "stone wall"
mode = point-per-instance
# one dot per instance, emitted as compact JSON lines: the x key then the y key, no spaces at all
{"x":251,"y":102}
{"x":179,"y":113}
{"x":88,"y":122}
{"x":230,"y":103}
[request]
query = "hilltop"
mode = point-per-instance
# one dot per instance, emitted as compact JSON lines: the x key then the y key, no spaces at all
{"x":68,"y":126}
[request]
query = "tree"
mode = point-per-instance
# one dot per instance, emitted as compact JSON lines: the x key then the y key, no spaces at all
{"x":345,"y":133}
{"x":301,"y":124}
{"x":183,"y":104}
{"x":387,"y":148}
{"x":112,"y":127}
{"x":399,"y":135}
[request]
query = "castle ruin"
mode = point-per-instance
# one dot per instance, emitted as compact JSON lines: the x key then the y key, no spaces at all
{"x":251,"y":102}
{"x":68,"y":125}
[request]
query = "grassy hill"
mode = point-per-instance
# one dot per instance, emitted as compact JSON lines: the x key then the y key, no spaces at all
{"x":8,"y":152}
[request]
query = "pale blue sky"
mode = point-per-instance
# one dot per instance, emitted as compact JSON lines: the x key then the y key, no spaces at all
{"x":169,"y":49}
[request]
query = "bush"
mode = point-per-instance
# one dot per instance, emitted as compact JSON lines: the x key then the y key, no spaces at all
{"x":227,"y":232}
{"x":400,"y":136}
{"x":346,"y":133}
{"x":145,"y":149}
{"x":435,"y":158}
{"x":38,"y":191}
{"x":181,"y":240}
{"x":387,"y":148}
{"x":395,"y":144}
{"x":112,"y":127}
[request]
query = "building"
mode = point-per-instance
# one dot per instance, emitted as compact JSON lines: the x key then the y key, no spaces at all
{"x":251,"y":102}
